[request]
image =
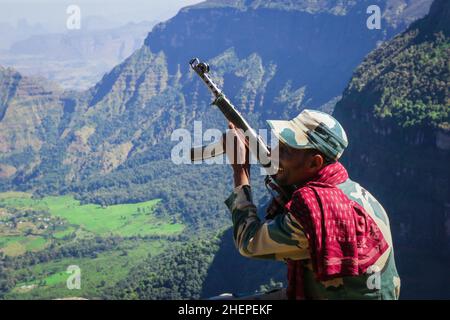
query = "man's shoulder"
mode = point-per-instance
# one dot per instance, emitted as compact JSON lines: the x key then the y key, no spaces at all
{"x":354,"y":191}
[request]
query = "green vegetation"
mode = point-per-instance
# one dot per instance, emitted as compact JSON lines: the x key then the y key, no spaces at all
{"x":178,"y":273}
{"x":392,"y":109}
{"x":109,"y":147}
{"x":74,"y":234}
{"x":17,"y":245}
{"x":201,"y":268}
{"x":98,"y":273}
{"x":124,"y":219}
{"x":408,"y":80}
{"x":64,"y":233}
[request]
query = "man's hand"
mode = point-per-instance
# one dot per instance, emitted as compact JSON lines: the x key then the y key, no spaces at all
{"x":238,"y":155}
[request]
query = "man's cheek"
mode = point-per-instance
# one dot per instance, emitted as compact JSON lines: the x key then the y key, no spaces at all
{"x":283,"y":176}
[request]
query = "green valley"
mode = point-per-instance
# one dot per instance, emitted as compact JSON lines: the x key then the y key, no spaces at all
{"x":40,"y":237}
{"x":48,"y":280}
{"x":86,"y":177}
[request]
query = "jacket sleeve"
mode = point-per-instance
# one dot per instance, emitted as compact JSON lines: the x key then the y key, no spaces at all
{"x":279,"y":239}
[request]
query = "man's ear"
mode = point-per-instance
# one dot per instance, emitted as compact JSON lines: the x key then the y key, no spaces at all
{"x":316,"y":162}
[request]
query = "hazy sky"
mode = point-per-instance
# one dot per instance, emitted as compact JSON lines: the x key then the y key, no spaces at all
{"x":51,"y":14}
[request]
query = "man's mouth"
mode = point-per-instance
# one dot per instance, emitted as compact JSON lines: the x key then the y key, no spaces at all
{"x":280,"y":171}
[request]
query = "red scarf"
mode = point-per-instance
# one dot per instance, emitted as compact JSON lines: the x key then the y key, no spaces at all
{"x":343,"y":239}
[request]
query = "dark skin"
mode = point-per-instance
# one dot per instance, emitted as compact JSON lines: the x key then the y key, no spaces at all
{"x":296,"y":167}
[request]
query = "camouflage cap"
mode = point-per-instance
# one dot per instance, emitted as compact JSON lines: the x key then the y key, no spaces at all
{"x":312,"y":129}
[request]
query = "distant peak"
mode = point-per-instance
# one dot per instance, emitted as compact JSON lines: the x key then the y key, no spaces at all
{"x":337,"y":7}
{"x":438,"y":17}
{"x":394,"y":12}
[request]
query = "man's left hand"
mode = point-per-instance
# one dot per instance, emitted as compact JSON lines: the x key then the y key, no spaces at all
{"x":238,"y":156}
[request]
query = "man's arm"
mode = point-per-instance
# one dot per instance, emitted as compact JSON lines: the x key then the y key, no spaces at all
{"x":278,"y":239}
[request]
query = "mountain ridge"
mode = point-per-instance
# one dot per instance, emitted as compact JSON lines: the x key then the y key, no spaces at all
{"x":396,"y":114}
{"x":130,"y":113}
{"x":110,"y":144}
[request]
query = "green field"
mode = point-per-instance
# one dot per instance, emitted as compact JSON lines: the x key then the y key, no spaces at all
{"x":17,"y":245}
{"x":64,"y":233}
{"x":122,"y":219}
{"x":49,"y":279}
{"x":30,"y":224}
{"x":135,"y":219}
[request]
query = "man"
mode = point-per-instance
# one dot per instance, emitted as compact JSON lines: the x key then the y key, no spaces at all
{"x":333,"y":234}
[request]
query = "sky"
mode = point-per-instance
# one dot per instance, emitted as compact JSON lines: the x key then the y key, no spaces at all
{"x":51,"y":14}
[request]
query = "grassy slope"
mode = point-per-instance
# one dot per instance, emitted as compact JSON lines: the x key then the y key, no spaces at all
{"x":48,"y":280}
{"x":123,"y":220}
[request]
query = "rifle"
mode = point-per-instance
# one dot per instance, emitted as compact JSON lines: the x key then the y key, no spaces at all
{"x":259,"y":149}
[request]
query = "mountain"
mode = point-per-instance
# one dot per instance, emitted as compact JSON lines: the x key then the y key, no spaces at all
{"x":28,"y":104}
{"x":111,"y":143}
{"x":76,"y":59}
{"x":23,"y":29}
{"x":396,"y":110}
{"x":306,"y":42}
{"x":31,"y":110}
{"x":115,"y":43}
{"x":142,"y":100}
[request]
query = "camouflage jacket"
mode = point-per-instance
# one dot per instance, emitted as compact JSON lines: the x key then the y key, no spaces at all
{"x":283,"y":238}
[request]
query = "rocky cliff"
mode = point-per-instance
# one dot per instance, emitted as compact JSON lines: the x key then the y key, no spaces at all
{"x":110,"y":144}
{"x":396,"y":110}
{"x":272,"y":58}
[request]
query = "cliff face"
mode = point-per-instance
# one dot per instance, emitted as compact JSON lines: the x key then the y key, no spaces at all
{"x":77,"y":59}
{"x":396,"y":113}
{"x":29,"y":110}
{"x":307,"y":41}
{"x":272,"y":58}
